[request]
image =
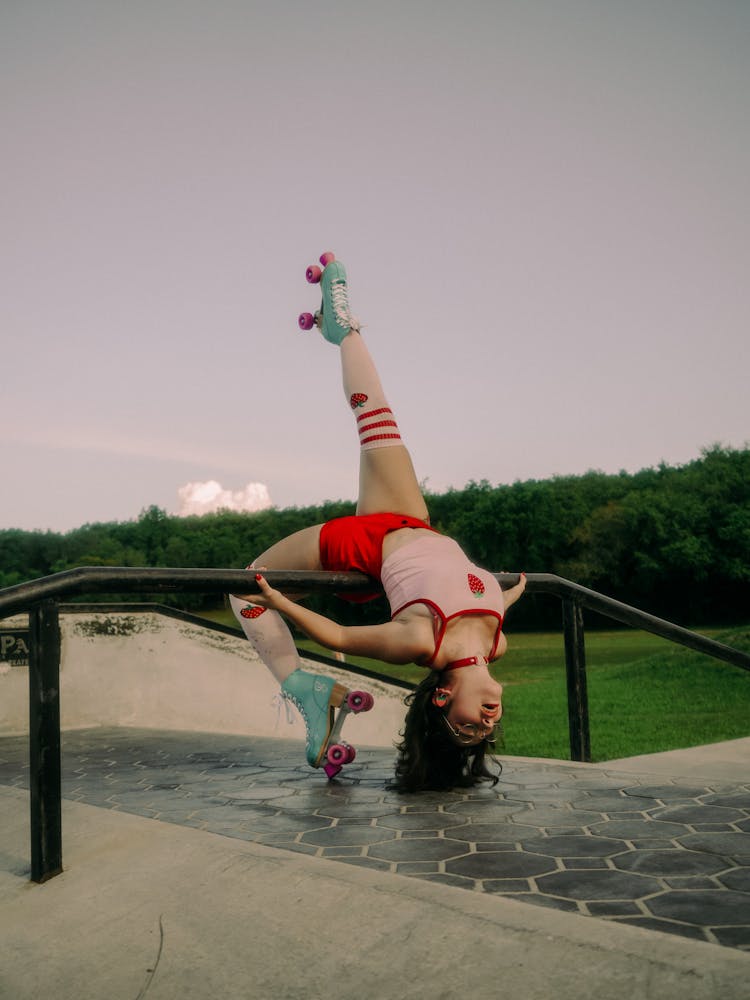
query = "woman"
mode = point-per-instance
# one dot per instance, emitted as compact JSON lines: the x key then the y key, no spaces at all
{"x":447,"y":614}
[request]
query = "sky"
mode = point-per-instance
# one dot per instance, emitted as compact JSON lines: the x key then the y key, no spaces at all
{"x":542,"y":206}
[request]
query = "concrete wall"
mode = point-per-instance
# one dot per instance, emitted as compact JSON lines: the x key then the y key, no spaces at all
{"x":150,"y":671}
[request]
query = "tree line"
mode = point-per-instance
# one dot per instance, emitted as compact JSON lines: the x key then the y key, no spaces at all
{"x":673,"y":540}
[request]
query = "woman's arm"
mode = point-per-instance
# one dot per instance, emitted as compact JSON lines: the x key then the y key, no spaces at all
{"x":511,"y":595}
{"x":393,"y":642}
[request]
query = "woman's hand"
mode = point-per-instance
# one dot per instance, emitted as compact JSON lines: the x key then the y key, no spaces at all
{"x":267,"y":597}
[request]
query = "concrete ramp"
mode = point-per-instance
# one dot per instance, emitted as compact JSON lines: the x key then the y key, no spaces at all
{"x":156,"y":672}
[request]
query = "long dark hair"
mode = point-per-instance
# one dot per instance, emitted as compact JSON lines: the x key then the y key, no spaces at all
{"x":428,"y":759}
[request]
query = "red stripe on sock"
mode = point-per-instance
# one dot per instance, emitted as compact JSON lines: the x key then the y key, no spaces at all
{"x":378,"y":423}
{"x":374,"y":413}
{"x":380,"y":437}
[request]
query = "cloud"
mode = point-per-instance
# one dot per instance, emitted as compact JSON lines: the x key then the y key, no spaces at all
{"x":205,"y":498}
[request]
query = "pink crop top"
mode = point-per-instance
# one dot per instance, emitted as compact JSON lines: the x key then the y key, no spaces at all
{"x":435,"y":571}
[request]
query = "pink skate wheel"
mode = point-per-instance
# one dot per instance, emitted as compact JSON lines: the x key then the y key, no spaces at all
{"x":360,"y":701}
{"x":306,"y":321}
{"x":351,"y":754}
{"x":327,"y":258}
{"x":337,"y":754}
{"x":313,"y":274}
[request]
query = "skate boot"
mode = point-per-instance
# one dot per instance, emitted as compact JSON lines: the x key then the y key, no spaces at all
{"x":334,"y":317}
{"x":317,"y":698}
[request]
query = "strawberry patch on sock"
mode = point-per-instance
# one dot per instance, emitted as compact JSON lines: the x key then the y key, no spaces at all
{"x":252,"y":611}
{"x":357,"y":399}
{"x":476,"y":586}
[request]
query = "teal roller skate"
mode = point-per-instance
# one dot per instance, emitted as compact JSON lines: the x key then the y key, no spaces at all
{"x":317,"y":698}
{"x":334,"y":317}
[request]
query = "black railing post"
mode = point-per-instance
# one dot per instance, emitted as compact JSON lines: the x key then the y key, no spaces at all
{"x":575,"y":665}
{"x":44,"y":741}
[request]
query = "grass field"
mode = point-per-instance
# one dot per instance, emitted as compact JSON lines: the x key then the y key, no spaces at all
{"x":645,"y":694}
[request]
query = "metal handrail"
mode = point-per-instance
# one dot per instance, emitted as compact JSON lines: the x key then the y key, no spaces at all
{"x":628,"y":615}
{"x":41,"y":599}
{"x":127,"y":579}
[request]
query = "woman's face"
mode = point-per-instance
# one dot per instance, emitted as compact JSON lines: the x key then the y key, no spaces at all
{"x":475,"y":707}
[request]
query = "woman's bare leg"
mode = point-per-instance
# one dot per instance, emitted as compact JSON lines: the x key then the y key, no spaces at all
{"x":387,"y":480}
{"x":298,"y":551}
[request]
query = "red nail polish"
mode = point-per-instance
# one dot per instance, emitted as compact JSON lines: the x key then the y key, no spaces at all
{"x":258,"y":576}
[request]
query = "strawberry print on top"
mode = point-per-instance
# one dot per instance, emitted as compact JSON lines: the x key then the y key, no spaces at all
{"x":357,"y":399}
{"x":252,"y":611}
{"x":476,"y":586}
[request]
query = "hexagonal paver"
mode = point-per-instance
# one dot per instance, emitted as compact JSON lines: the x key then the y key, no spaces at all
{"x":712,"y":827}
{"x":340,"y":852}
{"x":355,"y":810}
{"x":424,"y":801}
{"x":613,"y":908}
{"x":574,"y":847}
{"x":664,"y":863}
{"x":697,"y":813}
{"x":284,"y":823}
{"x":420,"y":821}
{"x":636,"y":829}
{"x":664,"y":927}
{"x":653,"y":844}
{"x":240,"y":794}
{"x":541,"y":795}
{"x":500,"y":864}
{"x":733,"y":937}
{"x":556,"y":816}
{"x":485,"y":810}
{"x":598,"y":885}
{"x":614,"y":803}
{"x":738,"y":878}
{"x":728,"y":845}
{"x":475,"y":833}
{"x":735,"y":800}
{"x":416,"y":849}
{"x":667,"y":792}
{"x":576,"y":864}
{"x":349,"y":835}
{"x":418,"y":867}
{"x":704,"y":909}
{"x":690,"y":883}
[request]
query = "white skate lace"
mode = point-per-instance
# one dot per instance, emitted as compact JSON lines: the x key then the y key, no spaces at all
{"x":283,"y":702}
{"x":340,"y":300}
{"x":288,"y":700}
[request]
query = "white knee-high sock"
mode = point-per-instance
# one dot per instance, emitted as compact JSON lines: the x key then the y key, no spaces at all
{"x":376,"y":425}
{"x":269,"y":636}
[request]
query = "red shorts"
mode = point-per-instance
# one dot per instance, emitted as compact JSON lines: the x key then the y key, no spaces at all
{"x":356,"y":543}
